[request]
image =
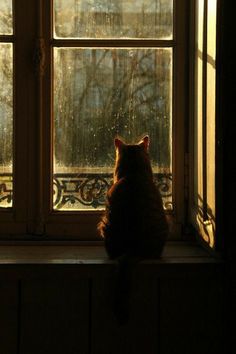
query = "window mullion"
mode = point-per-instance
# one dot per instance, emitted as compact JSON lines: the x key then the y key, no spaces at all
{"x":40,"y":71}
{"x":113,"y":43}
{"x":179,"y":110}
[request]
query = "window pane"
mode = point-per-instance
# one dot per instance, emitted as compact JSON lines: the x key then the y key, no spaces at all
{"x":204,"y":175}
{"x":99,"y":93}
{"x":198,"y":128}
{"x":6,"y":17}
{"x":113,"y":19}
{"x":211,"y":102}
{"x":6,"y":131}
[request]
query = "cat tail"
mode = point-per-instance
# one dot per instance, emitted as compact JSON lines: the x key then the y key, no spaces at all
{"x":123,"y":284}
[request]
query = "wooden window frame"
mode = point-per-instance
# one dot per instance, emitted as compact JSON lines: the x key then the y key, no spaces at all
{"x":31,"y":217}
{"x":208,"y":232}
{"x":16,"y":220}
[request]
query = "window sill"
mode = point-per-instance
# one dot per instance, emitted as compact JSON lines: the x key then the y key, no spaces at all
{"x":174,"y":253}
{"x":179,"y":260}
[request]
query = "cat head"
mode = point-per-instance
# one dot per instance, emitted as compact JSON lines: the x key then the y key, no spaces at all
{"x":143,"y":143}
{"x":132,"y":160}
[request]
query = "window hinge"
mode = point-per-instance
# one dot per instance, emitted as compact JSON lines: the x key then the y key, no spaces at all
{"x":186,"y":176}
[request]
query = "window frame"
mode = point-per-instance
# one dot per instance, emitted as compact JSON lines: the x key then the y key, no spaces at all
{"x":17,"y":220}
{"x":83,"y":224}
{"x":199,"y":222}
{"x":32,"y":217}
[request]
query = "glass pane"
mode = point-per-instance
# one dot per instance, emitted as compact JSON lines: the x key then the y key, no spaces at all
{"x":6,"y":27}
{"x":198,"y":128}
{"x":99,"y":93}
{"x":211,"y":102}
{"x":6,"y":124}
{"x":204,"y":174}
{"x":113,"y":19}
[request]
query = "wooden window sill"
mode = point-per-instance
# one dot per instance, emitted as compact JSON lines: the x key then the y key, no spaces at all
{"x":174,"y":253}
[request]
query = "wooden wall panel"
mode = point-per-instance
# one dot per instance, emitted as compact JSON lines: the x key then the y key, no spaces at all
{"x":54,"y":317}
{"x":191,"y":315}
{"x":140,"y":334}
{"x":8,"y":316}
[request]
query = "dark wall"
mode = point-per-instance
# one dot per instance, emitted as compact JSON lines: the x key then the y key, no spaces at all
{"x":173,"y":307}
{"x":227,"y":89}
{"x":227,"y":126}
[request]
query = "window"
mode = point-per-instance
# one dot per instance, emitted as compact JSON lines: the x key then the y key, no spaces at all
{"x":118,"y":81}
{"x":76,"y":74}
{"x":6,"y":104}
{"x":204,"y":150}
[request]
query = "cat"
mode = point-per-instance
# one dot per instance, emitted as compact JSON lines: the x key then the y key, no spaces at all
{"x":134,"y":223}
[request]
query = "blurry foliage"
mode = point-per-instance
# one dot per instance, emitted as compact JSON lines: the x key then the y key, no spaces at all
{"x":6,"y":84}
{"x":6,"y":17}
{"x":98,"y":94}
{"x":101,"y":93}
{"x":113,"y":18}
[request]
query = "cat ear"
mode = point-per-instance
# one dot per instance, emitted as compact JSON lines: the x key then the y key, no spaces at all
{"x":144,"y":142}
{"x":118,"y":143}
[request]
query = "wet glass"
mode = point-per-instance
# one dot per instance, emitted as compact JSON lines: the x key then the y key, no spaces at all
{"x":6,"y":124}
{"x":99,"y":94}
{"x":113,"y":19}
{"x":6,"y":27}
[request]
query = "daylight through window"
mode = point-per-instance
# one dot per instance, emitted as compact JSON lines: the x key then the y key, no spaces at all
{"x":6,"y":104}
{"x":109,"y":80}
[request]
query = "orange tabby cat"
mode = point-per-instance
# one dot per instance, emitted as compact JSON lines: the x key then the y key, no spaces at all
{"x":134,"y":223}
